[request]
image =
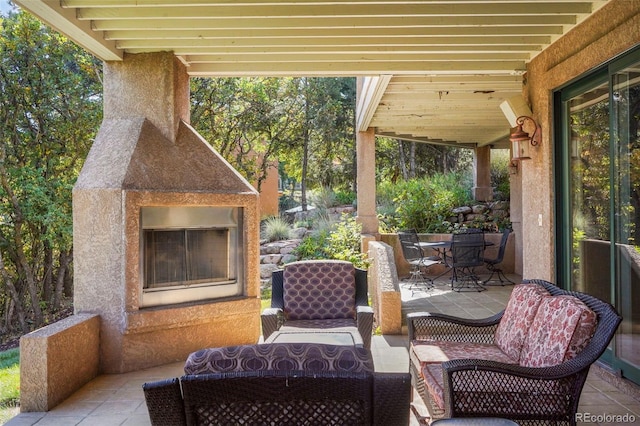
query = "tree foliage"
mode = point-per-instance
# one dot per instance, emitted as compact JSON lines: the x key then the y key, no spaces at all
{"x":253,"y":121}
{"x":423,"y":204}
{"x":399,"y":160}
{"x":50,"y":107}
{"x":249,"y":121}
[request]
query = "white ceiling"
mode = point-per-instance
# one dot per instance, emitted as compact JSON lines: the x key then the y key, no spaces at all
{"x":438,"y":69}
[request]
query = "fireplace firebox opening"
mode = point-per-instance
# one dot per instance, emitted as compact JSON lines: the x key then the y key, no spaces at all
{"x":190,"y":254}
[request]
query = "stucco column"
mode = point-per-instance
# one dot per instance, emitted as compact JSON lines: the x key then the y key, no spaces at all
{"x":482,"y":190}
{"x":366,"y":181}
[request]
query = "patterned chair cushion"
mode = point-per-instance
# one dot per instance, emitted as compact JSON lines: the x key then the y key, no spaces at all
{"x":434,"y":382}
{"x":561,"y":328}
{"x":319,"y":290}
{"x":279,"y":357}
{"x":435,"y":351}
{"x":518,"y":317}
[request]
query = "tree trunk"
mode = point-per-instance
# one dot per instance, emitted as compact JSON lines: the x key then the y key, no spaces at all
{"x":305,"y":147}
{"x":354,"y":181}
{"x":21,"y":260}
{"x":47,"y":285}
{"x":402,"y":160}
{"x":60,"y":280}
{"x":68,"y":276}
{"x":13,"y":293}
{"x":412,"y":160}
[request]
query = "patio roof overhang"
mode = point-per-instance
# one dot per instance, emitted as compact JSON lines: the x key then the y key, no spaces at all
{"x":435,"y":71}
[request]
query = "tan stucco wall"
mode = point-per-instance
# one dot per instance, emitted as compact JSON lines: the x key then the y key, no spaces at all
{"x":384,"y":288}
{"x":610,"y":31}
{"x":57,"y":360}
{"x":269,"y":195}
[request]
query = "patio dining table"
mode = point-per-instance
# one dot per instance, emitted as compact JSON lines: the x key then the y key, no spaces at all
{"x":442,"y":248}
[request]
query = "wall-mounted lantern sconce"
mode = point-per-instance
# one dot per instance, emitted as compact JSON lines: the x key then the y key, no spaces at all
{"x":521,"y":141}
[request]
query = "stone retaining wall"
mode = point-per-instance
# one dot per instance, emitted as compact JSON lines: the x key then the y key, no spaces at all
{"x":274,"y":255}
{"x":492,"y":215}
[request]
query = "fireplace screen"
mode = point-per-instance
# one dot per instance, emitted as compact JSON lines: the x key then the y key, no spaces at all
{"x":189,"y":253}
{"x":185,"y":257}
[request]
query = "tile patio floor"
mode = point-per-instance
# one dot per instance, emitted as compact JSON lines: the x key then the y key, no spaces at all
{"x":118,"y":399}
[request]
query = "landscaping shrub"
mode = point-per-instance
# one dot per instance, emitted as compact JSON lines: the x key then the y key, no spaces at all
{"x":286,"y":202}
{"x":275,"y":228}
{"x":423,"y":204}
{"x":313,"y":246}
{"x":344,"y":242}
{"x":323,"y":198}
{"x":341,"y":241}
{"x":345,"y":198}
{"x":500,"y":160}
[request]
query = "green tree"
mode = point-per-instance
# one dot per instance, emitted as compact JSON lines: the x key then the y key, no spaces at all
{"x":306,"y":123}
{"x":50,"y":108}
{"x":404,"y":160}
{"x":249,"y":121}
{"x":324,"y":155}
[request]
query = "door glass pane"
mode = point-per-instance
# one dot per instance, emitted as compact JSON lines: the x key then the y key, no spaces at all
{"x":626,"y":134}
{"x":590,"y":192}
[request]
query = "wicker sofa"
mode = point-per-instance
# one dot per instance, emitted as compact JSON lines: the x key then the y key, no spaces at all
{"x":319,"y":294}
{"x":304,"y":383}
{"x":527,"y":363}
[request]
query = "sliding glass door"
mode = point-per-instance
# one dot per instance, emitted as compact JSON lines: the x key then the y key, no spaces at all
{"x":598,"y":204}
{"x":625,"y":97}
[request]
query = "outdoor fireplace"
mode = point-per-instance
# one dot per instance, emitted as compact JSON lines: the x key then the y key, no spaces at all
{"x":166,"y":239}
{"x":165,"y":232}
{"x":190,"y":253}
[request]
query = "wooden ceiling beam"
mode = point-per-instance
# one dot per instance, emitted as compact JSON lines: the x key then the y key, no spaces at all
{"x":354,"y":33}
{"x":244,"y":23}
{"x":259,"y":10}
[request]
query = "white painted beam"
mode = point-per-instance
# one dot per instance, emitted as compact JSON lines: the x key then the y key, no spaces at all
{"x":64,"y":21}
{"x":372,"y":90}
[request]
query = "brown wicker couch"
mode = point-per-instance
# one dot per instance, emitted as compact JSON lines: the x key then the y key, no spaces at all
{"x":304,"y":383}
{"x":319,"y":294}
{"x":513,"y":365}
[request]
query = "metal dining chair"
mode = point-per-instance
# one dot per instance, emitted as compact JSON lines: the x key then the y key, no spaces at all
{"x":492,"y":263}
{"x":467,"y":246}
{"x":414,"y":255}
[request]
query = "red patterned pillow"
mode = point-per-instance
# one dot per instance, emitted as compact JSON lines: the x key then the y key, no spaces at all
{"x":319,"y":290}
{"x":518,"y":317}
{"x":562,"y":327}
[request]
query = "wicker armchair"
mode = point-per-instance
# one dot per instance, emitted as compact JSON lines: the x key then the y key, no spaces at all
{"x":263,"y":384}
{"x":473,"y":385}
{"x":353,"y":312}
